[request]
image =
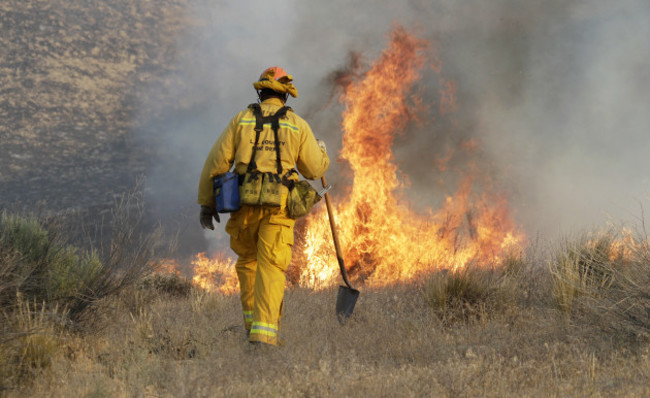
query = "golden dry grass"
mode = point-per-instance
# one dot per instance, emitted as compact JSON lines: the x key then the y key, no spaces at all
{"x":498,"y":331}
{"x":396,"y":345}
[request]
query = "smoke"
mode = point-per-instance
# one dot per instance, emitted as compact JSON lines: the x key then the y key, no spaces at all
{"x":556,"y":93}
{"x":577,"y":131}
{"x":219,"y":57}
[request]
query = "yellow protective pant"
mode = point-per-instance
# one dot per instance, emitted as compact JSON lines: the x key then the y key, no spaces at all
{"x":262,"y":238}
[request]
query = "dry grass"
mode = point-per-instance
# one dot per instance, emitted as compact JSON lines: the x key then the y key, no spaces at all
{"x":51,"y":290}
{"x":603,"y":279}
{"x":499,"y":331}
{"x":394,"y":346}
{"x":583,"y":265}
{"x":470,"y":293}
{"x":480,"y":332}
{"x":29,"y":340}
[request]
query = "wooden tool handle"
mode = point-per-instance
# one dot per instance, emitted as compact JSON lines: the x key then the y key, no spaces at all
{"x":337,"y":244}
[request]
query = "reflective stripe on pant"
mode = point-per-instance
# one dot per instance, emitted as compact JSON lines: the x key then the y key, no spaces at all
{"x":262,"y":331}
{"x":248,"y":319}
{"x":262,"y":238}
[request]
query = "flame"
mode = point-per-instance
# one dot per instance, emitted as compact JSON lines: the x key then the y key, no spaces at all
{"x":215,"y":274}
{"x":384,"y":240}
{"x":211,"y":274}
{"x":621,"y":246}
{"x":168,"y":267}
{"x":625,"y":246}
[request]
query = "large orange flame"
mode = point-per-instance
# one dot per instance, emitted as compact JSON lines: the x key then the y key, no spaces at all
{"x":384,"y":240}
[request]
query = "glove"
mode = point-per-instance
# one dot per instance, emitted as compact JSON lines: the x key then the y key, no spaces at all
{"x":206,"y":215}
{"x":321,"y":144}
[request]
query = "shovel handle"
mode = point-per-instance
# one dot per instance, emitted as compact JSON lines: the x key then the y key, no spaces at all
{"x":337,"y":244}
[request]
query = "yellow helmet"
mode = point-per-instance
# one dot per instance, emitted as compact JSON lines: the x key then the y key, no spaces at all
{"x":276,"y":79}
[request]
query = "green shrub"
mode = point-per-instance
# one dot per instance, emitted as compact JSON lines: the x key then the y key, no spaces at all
{"x":39,"y":264}
{"x":48,"y":286}
{"x":25,"y":235}
{"x":37,"y":261}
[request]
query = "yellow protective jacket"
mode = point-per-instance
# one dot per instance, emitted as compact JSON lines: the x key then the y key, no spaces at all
{"x":298,"y":147}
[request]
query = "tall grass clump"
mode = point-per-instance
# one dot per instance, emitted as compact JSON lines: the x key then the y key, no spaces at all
{"x":29,"y":340}
{"x":468,"y":293}
{"x":623,"y":310}
{"x":603,"y":279}
{"x":586,"y":265}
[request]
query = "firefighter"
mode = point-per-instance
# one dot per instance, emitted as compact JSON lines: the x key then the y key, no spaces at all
{"x":262,"y":235}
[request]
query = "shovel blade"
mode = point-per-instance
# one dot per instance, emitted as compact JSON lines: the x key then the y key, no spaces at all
{"x":345,"y":301}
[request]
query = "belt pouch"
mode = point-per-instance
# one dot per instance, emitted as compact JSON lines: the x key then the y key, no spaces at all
{"x":250,"y":189}
{"x":302,"y":197}
{"x":271,"y":190}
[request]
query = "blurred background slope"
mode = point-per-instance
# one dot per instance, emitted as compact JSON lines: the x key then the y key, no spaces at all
{"x":71,"y":76}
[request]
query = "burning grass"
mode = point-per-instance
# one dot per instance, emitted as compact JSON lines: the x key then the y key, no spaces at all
{"x":384,"y":240}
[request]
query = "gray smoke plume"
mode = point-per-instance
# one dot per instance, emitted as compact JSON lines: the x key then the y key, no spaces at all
{"x":556,"y":93}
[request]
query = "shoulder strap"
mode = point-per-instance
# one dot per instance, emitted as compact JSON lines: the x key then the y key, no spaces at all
{"x":259,"y":126}
{"x":276,"y":126}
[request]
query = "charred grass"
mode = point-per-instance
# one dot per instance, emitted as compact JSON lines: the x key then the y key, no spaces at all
{"x":505,"y":330}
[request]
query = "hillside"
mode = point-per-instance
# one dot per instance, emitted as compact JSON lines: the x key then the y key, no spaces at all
{"x":76,"y":78}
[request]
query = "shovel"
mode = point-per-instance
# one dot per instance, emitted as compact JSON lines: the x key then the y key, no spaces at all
{"x":347,"y":295}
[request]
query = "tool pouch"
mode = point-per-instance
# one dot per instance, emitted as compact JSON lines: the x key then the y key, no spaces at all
{"x":271,"y":190}
{"x":250,"y":189}
{"x":302,"y":197}
{"x":226,"y":192}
